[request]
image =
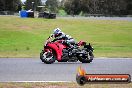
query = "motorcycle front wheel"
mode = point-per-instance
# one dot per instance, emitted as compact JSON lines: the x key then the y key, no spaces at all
{"x":47,"y":57}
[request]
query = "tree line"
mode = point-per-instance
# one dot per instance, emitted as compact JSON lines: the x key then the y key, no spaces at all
{"x":73,"y":7}
{"x":16,"y":5}
{"x":105,"y":7}
{"x":10,"y":5}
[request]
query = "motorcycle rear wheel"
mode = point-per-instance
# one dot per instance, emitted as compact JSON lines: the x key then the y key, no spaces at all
{"x":88,"y":59}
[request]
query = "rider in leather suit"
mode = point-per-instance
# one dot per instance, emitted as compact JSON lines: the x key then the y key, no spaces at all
{"x":58,"y":35}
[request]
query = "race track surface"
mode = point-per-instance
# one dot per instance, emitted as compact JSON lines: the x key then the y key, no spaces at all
{"x":32,"y":69}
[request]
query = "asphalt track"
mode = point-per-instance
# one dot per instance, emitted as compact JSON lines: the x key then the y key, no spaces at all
{"x":33,"y":70}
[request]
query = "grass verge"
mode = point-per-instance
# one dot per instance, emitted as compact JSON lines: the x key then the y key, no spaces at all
{"x":25,"y":37}
{"x":62,"y":85}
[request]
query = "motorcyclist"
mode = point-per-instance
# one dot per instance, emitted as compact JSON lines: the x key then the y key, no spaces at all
{"x":59,"y":35}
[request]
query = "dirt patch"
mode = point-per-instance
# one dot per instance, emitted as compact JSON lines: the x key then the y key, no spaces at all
{"x":62,"y":85}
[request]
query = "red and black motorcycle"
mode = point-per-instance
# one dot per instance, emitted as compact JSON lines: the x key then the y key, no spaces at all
{"x":62,"y":53}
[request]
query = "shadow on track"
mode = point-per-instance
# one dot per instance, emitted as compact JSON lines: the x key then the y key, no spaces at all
{"x":67,"y":63}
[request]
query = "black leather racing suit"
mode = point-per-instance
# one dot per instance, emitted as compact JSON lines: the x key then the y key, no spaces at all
{"x":68,"y":40}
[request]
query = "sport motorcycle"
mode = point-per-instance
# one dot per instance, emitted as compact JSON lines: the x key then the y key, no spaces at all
{"x":58,"y":51}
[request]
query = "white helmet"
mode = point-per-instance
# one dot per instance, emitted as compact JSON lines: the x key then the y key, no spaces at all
{"x":57,"y":31}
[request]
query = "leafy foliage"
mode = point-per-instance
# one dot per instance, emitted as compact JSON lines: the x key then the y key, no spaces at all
{"x":10,"y":5}
{"x":74,"y":7}
{"x":32,"y":4}
{"x":111,"y":7}
{"x":52,"y":5}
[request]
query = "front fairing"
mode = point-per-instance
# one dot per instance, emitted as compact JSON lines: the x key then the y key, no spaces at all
{"x":57,"y":47}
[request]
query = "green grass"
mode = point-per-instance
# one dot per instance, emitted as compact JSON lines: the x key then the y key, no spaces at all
{"x":25,"y":37}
